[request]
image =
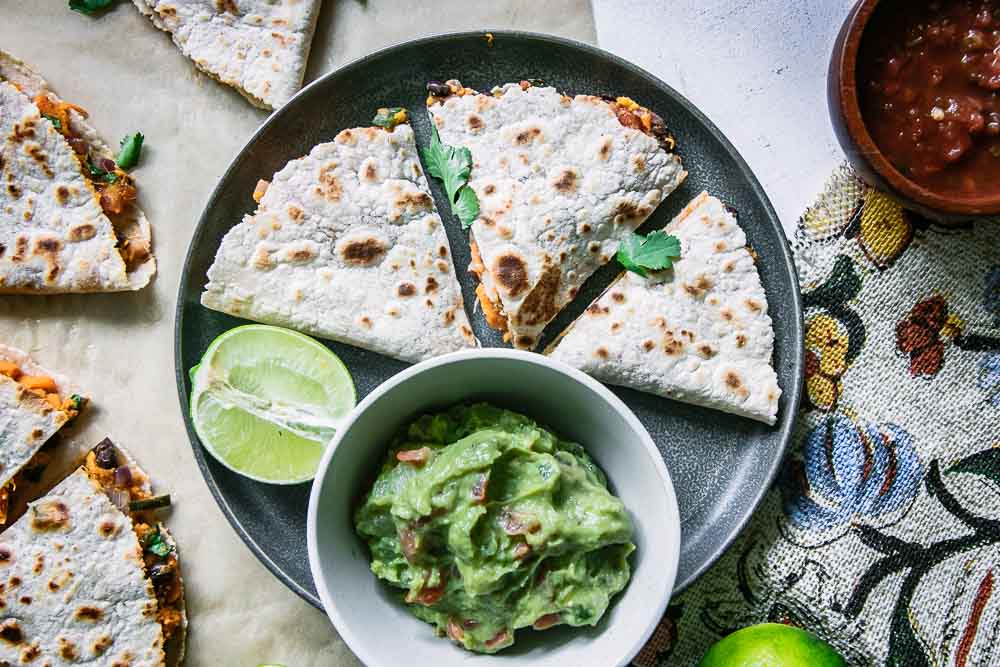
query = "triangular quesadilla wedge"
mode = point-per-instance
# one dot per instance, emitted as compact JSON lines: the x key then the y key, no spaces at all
{"x":698,"y":332}
{"x":68,"y":217}
{"x":259,"y":47}
{"x":89,"y":580}
{"x":34,"y":405}
{"x":560,"y":182}
{"x":346,"y":244}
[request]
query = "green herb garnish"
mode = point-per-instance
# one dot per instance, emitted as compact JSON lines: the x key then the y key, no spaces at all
{"x":99,"y":174}
{"x":154,"y":503}
{"x":389,"y":117}
{"x":56,"y":123}
{"x":155,"y":545}
{"x":128,"y":156}
{"x":90,"y":7}
{"x":77,"y":401}
{"x":654,"y":252}
{"x":452,"y":165}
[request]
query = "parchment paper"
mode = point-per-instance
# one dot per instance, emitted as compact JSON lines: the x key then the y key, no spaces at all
{"x":119,"y":347}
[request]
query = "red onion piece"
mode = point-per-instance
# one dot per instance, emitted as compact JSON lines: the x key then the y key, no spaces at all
{"x":123,"y":476}
{"x":120,"y":498}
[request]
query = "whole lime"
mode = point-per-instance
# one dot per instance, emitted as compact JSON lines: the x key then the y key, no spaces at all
{"x":771,"y":645}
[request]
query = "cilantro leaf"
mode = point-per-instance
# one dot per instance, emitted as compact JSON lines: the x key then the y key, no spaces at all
{"x":56,"y":123}
{"x":98,"y":174}
{"x":466,"y":207}
{"x":90,"y":7}
{"x":452,"y":165}
{"x":449,"y":164}
{"x":154,"y":544}
{"x":128,"y":156}
{"x":389,"y":118}
{"x":654,"y":252}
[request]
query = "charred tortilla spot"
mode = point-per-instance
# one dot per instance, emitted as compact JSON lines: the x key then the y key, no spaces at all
{"x":735,"y":383}
{"x":489,"y":189}
{"x":82,"y":232}
{"x":511,"y":273}
{"x":729,"y":266}
{"x":227,"y":6}
{"x":29,"y":653}
{"x":699,"y":287}
{"x":449,"y":317}
{"x":329,"y":186}
{"x":585,"y":228}
{"x":363,"y":252}
{"x":24,"y":599}
{"x":62,"y":195}
{"x":638,"y":163}
{"x":13,"y":191}
{"x":601,"y":352}
{"x":525,"y":341}
{"x":49,"y":514}
{"x":604,"y":152}
{"x":295,"y":213}
{"x":37,"y":433}
{"x":596,"y":309}
{"x":772,"y":397}
{"x":618,"y":297}
{"x":88,"y":613}
{"x":616,"y":327}
{"x":566,"y":182}
{"x":431,"y":285}
{"x":23,"y":131}
{"x":525,"y":137}
{"x":475,"y":122}
{"x":108,"y":528}
{"x":429,"y":303}
{"x":370,"y":172}
{"x":671,"y":346}
{"x":741,"y":340}
{"x":366,"y":322}
{"x":540,"y":304}
{"x":726,"y":314}
{"x":5,"y":555}
{"x":720,"y":246}
{"x":39,"y":564}
{"x":47,"y":245}
{"x":406,"y":289}
{"x":594,"y":247}
{"x":753,"y":306}
{"x":443,"y":251}
{"x":648,"y":345}
{"x":504,"y":232}
{"x":35,"y":152}
{"x":442,"y":266}
{"x":101,"y":644}
{"x":706,"y":350}
{"x":10,"y":632}
{"x":626,"y":208}
{"x":67,"y":649}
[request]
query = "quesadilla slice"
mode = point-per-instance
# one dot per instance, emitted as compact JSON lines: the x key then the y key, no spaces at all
{"x":90,"y":576}
{"x":346,"y":244}
{"x":259,"y":47}
{"x":560,"y":182}
{"x":34,"y":405}
{"x":698,"y":332}
{"x":69,"y":221}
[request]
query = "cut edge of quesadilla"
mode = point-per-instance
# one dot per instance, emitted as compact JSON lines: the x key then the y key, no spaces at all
{"x":52,"y":119}
{"x":346,"y":244}
{"x":132,"y":493}
{"x":44,"y":403}
{"x":703,"y":335}
{"x":115,"y":594}
{"x":540,"y":302}
{"x":165,"y":17}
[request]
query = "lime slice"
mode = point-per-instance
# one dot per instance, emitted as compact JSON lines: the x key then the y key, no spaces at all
{"x":265,"y":402}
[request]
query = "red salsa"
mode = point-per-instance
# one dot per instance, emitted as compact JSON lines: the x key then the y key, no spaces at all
{"x":929,"y":86}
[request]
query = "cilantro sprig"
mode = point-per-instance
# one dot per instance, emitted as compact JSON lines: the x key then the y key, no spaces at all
{"x":56,"y":123}
{"x":452,"y":165}
{"x":90,"y":7}
{"x":131,"y":146}
{"x":99,"y":174}
{"x":654,"y":252}
{"x":156,"y":545}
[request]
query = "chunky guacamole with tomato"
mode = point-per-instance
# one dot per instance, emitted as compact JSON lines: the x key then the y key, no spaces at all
{"x":491,"y":523}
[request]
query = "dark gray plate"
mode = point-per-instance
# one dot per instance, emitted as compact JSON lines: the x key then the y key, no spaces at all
{"x":721,"y":465}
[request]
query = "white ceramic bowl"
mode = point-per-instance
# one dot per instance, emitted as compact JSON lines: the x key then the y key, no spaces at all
{"x":380,"y":631}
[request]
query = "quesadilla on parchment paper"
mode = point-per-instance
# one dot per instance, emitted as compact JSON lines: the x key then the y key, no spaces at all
{"x":698,"y":332}
{"x":34,"y":405}
{"x":259,"y":47}
{"x":89,"y":576}
{"x":346,"y":244}
{"x":560,"y":182}
{"x":68,"y":217}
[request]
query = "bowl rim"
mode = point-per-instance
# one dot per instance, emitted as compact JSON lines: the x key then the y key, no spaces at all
{"x":672,"y":520}
{"x":844,"y":67}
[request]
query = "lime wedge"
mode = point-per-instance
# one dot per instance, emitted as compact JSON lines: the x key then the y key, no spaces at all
{"x":265,"y":402}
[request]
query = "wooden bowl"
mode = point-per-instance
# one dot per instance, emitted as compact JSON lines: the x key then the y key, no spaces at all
{"x":857,"y":142}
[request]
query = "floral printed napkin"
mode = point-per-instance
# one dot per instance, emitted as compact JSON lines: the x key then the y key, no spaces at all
{"x":882,"y":533}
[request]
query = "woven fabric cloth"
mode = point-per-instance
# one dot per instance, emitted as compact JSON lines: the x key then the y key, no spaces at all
{"x":882,"y":532}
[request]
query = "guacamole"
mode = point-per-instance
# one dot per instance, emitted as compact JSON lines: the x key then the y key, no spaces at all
{"x":491,"y":523}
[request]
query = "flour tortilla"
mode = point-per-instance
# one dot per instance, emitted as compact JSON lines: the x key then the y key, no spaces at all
{"x":560,"y":183}
{"x":259,"y":47}
{"x":697,"y":333}
{"x":75,"y":587}
{"x":54,"y":235}
{"x":346,"y":244}
{"x":27,"y":421}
